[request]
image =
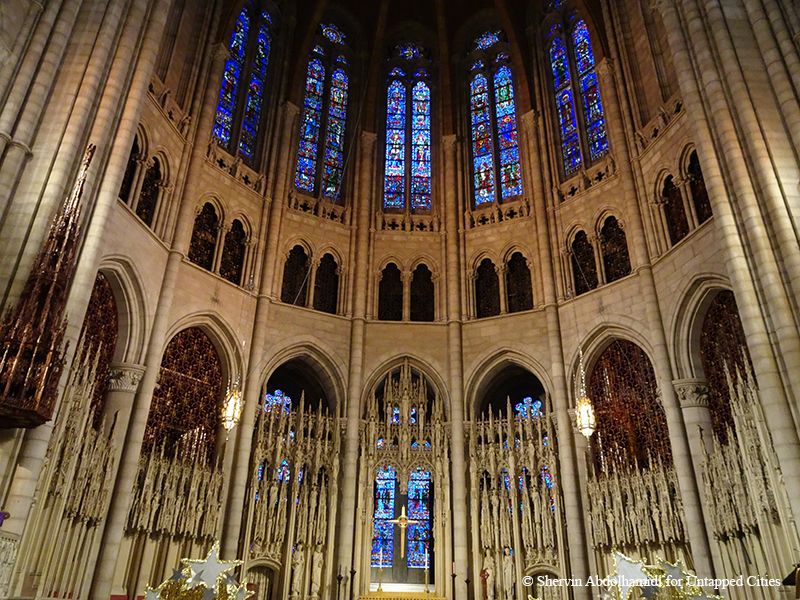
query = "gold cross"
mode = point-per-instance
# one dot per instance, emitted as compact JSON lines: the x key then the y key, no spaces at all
{"x":403,"y":522}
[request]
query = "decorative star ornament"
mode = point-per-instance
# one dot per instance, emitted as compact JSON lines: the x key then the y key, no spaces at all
{"x":151,"y":594}
{"x":649,"y":591}
{"x":676,"y":574}
{"x":210,"y":570}
{"x":177,"y":575}
{"x":629,"y":572}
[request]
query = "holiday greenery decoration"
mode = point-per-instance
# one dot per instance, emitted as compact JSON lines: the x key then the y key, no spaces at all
{"x":209,"y":579}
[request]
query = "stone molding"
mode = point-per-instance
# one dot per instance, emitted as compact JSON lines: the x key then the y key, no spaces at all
{"x":691,"y":393}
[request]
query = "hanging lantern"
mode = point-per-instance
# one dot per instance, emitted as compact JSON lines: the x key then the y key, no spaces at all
{"x":232,"y":409}
{"x":584,"y":411}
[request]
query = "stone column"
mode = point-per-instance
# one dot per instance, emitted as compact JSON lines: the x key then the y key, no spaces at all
{"x":693,"y":397}
{"x":695,"y":523}
{"x":743,"y":259}
{"x":405,"y":278}
{"x":459,"y":411}
{"x":235,"y":514}
{"x":501,"y":284}
{"x":126,"y":476}
{"x":571,"y":479}
{"x":347,"y":555}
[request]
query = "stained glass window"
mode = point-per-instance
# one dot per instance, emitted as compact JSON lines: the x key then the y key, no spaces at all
{"x":487,"y":290}
{"x":305,"y":176}
{"x":421,"y":147}
{"x":283,"y":473}
{"x":226,"y":105}
{"x":697,"y":185}
{"x":334,"y":138}
{"x":407,"y":166}
{"x":396,"y":415}
{"x":583,"y":86}
{"x":239,"y":101}
{"x":277,"y":401}
{"x":482,"y":147}
{"x":506,"y":114}
{"x":419,"y":509}
{"x":394,"y":182}
{"x":584,"y":268}
{"x":547,"y":477}
{"x":590,"y":93}
{"x":677,"y":223}
{"x":383,"y":531}
{"x":529,"y":408}
{"x":496,"y":168}
{"x":255,"y":92}
{"x":320,"y":166}
{"x":487,"y":40}
{"x":614,"y":246}
{"x":204,"y":237}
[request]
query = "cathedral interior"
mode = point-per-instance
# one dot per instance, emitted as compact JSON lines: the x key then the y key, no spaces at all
{"x":447,"y":299}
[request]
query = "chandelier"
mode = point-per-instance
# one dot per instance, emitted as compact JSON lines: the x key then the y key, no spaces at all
{"x":232,"y":408}
{"x":584,"y":411}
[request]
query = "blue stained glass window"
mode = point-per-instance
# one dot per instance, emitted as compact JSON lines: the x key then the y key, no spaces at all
{"x":333,"y":33}
{"x":565,"y":107}
{"x":226,"y":105}
{"x":283,"y":473}
{"x":529,"y":408}
{"x":590,"y":91}
{"x":510,"y":171}
{"x":482,"y":146}
{"x":255,"y":91}
{"x":277,"y":401}
{"x":383,"y":531}
{"x":408,"y":51}
{"x":505,"y":478}
{"x":261,"y":471}
{"x":547,"y":477}
{"x":334,"y":137}
{"x":419,"y":509}
{"x":305,"y":173}
{"x":487,"y":40}
{"x":394,"y":179}
{"x":412,"y":418}
{"x":421,"y":147}
{"x":395,"y":415}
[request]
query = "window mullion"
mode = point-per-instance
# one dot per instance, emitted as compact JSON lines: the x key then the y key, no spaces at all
{"x":580,"y":109}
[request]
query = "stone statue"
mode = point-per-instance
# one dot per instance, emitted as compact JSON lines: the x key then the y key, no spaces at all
{"x":316,"y":571}
{"x":487,"y":574}
{"x":298,"y":562}
{"x":508,"y":573}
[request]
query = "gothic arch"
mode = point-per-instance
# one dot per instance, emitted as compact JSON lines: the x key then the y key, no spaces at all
{"x":687,"y":320}
{"x":603,"y":213}
{"x":126,"y":284}
{"x":378,"y":374}
{"x":428,"y":261}
{"x":318,"y":358}
{"x":298,"y":240}
{"x":492,"y":363}
{"x":330,"y":248}
{"x":214,"y":200}
{"x":480,"y":256}
{"x":222,"y":336}
{"x":514,"y":247}
{"x":600,"y":337}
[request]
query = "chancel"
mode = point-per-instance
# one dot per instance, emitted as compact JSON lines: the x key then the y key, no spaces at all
{"x":399,"y":300}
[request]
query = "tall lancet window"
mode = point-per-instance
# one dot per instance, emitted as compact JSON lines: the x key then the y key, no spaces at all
{"x":497,"y":174}
{"x":239,"y":116}
{"x":579,"y":108}
{"x":321,"y":151}
{"x":407,"y":166}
